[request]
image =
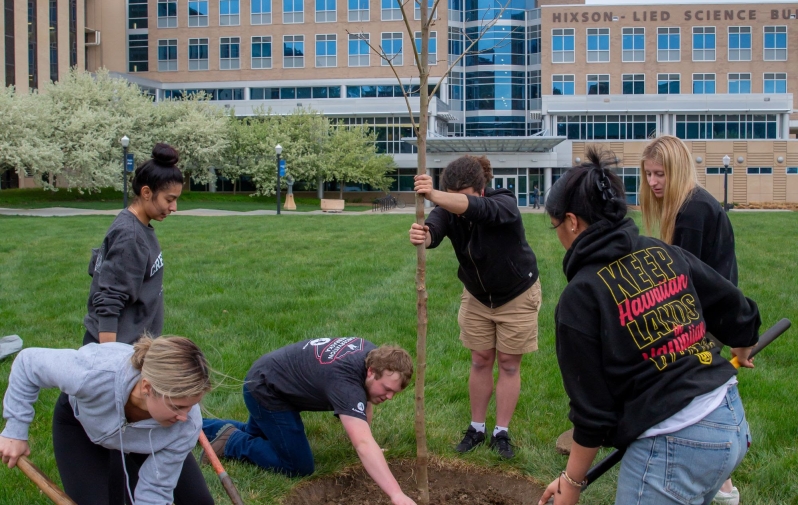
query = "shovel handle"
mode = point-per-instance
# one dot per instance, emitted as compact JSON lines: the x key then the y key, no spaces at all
{"x":43,"y":482}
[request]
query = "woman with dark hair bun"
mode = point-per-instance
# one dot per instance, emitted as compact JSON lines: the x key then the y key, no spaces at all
{"x":638,"y":368}
{"x":126,"y":294}
{"x":501,"y":297}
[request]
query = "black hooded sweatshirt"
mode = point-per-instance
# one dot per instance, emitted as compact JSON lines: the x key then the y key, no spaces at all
{"x":631,"y":326}
{"x":496,"y":262}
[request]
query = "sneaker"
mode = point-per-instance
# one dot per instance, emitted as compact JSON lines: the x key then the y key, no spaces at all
{"x":219,"y":442}
{"x":731,"y":498}
{"x":501,"y":444}
{"x":471,"y":439}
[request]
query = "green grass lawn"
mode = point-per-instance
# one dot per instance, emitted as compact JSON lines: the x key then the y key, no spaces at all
{"x":242,"y":287}
{"x":110,"y":199}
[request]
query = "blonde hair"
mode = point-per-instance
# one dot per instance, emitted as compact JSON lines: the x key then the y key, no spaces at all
{"x":680,"y":181}
{"x":174,"y":366}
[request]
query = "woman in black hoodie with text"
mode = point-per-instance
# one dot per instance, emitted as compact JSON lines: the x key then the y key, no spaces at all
{"x":631,"y":343}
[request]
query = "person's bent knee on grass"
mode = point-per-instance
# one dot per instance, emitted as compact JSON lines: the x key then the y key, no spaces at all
{"x":631,"y":340}
{"x":347,"y":376}
{"x":140,"y":403}
{"x":501,"y":286}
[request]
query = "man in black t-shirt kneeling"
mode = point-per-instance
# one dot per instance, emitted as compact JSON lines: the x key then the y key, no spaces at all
{"x":344,"y":375}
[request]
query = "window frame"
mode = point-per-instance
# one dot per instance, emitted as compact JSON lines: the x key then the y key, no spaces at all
{"x":358,"y":58}
{"x":169,"y":62}
{"x":776,"y":80}
{"x":669,"y":50}
{"x":169,"y":21}
{"x":670,"y":80}
{"x":230,"y":19}
{"x":394,"y":13}
{"x":703,"y":79}
{"x":703,"y":34}
{"x":738,"y":80}
{"x":261,"y":59}
{"x":199,"y":17}
{"x":635,"y":52}
{"x":432,"y":56}
{"x":597,"y":53}
{"x":295,"y":39}
{"x":294,"y":17}
{"x":326,"y":15}
{"x":231,"y":62}
{"x":563,"y":52}
{"x":360,"y":14}
{"x":328,"y":58}
{"x":765,"y":48}
{"x":399,"y":55}
{"x":199,"y":61}
{"x":633,"y":81}
{"x":739,"y":34}
{"x":572,"y":81}
{"x":599,"y":79}
{"x":263,"y":14}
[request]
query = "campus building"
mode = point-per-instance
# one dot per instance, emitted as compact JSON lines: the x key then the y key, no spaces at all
{"x":546,"y":80}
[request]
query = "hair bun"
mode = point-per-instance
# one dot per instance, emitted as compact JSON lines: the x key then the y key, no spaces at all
{"x":165,"y":155}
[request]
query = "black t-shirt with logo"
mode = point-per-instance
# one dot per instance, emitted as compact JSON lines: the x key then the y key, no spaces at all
{"x":322,"y":374}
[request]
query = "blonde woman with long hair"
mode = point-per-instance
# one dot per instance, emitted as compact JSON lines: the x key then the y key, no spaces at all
{"x":680,"y":210}
{"x":124,"y":430}
{"x":688,"y":216}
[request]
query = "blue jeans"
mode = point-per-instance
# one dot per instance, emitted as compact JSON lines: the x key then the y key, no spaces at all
{"x":274,"y":440}
{"x":686,"y":467}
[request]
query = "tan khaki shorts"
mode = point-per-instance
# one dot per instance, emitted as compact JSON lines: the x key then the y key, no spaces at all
{"x":511,"y":328}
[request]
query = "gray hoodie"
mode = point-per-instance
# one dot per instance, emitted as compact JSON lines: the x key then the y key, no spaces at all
{"x":126,"y":294}
{"x":98,"y":380}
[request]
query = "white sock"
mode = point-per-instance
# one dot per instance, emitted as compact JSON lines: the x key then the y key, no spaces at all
{"x":497,"y":429}
{"x":480,"y":427}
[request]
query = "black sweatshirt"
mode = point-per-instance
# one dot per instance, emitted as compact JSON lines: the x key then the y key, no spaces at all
{"x":703,"y":229}
{"x":631,"y":326}
{"x":496,"y":262}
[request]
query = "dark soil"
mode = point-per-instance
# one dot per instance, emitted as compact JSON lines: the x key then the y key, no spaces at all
{"x":449,"y":485}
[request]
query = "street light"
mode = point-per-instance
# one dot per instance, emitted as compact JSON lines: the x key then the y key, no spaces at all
{"x":125,"y":141}
{"x":726,"y":161}
{"x":278,"y":149}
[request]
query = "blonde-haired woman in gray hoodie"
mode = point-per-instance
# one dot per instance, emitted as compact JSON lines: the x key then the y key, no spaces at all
{"x":141,"y":401}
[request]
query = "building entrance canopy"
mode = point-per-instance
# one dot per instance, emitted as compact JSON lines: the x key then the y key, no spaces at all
{"x":535,"y":144}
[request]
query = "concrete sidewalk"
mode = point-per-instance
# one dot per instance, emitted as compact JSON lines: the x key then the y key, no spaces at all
{"x":69,"y":212}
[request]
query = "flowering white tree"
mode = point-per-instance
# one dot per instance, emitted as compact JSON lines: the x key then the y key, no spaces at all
{"x":26,"y":135}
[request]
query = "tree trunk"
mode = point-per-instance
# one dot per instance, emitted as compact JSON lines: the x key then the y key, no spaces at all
{"x":422,"y":454}
{"x":319,"y":187}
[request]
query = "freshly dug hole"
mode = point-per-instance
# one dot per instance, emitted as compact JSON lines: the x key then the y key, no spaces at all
{"x":449,"y":485}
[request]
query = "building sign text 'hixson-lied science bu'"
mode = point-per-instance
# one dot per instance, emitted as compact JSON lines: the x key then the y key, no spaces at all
{"x":689,"y":15}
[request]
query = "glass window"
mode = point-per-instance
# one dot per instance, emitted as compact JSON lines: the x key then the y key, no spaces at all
{"x":775,"y":43}
{"x":136,"y":14}
{"x":703,"y":84}
{"x":198,"y":13}
{"x":739,"y":43}
{"x":455,"y":11}
{"x":198,"y":54}
{"x":607,"y":127}
{"x":703,"y":43}
{"x":719,"y":170}
{"x":293,"y":51}
{"x":260,"y":12}
{"x":262,"y":52}
{"x":359,"y":51}
{"x":456,"y":45}
{"x":293,"y":12}
{"x":634,"y":44}
{"x":433,"y":46}
{"x":669,"y":44}
{"x":775,"y":82}
{"x":739,"y":83}
{"x":668,"y":84}
{"x":562,"y":84}
{"x":391,"y":10}
{"x":726,"y":126}
{"x":229,"y":53}
{"x":326,"y":11}
{"x":392,"y":47}
{"x":326,"y":53}
{"x":229,"y":11}
{"x":598,"y":84}
{"x":358,"y":10}
{"x":167,"y":55}
{"x":562,"y":45}
{"x":792,"y":170}
{"x":598,"y":45}
{"x":138,"y":53}
{"x":634,"y":84}
{"x":497,"y":45}
{"x":759,"y":170}
{"x":167,"y":14}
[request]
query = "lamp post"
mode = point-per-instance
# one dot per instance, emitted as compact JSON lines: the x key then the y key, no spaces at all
{"x":125,"y":141}
{"x":278,"y":149}
{"x":726,"y":161}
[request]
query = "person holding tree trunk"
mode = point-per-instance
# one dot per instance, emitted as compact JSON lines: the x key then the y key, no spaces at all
{"x":632,"y":344}
{"x":501,"y":298}
{"x":126,"y":294}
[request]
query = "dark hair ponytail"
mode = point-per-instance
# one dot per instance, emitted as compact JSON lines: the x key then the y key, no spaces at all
{"x":160,"y":171}
{"x":467,"y":172}
{"x":590,"y":190}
